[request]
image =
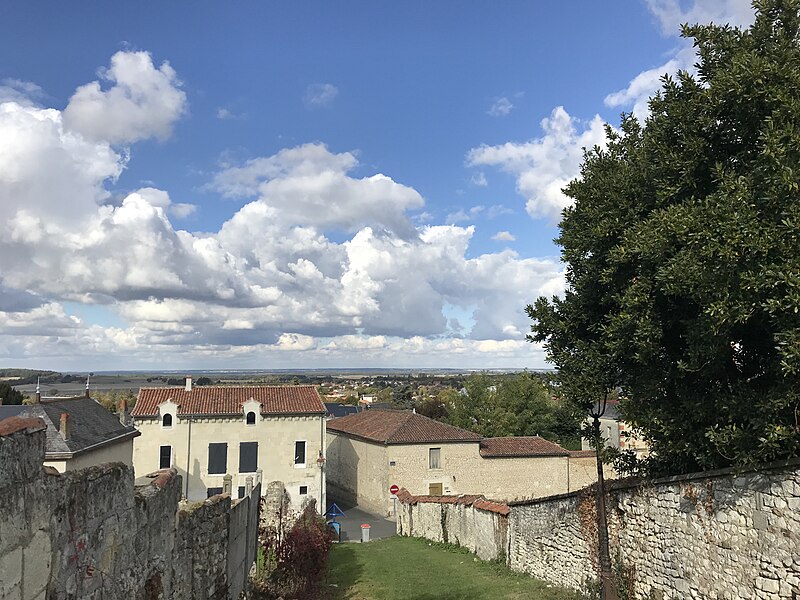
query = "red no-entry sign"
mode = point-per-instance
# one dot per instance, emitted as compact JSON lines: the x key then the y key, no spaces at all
{"x":394,"y":489}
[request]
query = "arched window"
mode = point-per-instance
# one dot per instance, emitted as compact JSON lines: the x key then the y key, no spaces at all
{"x":251,"y":418}
{"x":166,"y":420}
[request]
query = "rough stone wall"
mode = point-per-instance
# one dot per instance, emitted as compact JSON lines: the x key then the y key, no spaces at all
{"x":708,"y":535}
{"x":455,"y":520}
{"x":91,"y":534}
{"x":547,"y":540}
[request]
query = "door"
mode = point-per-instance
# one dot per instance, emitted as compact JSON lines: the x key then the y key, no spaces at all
{"x":435,"y":489}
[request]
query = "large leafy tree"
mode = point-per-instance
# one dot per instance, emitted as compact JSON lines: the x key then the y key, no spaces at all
{"x":8,"y":395}
{"x":683,"y":256}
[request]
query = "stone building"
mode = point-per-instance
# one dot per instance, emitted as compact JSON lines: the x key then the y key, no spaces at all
{"x":616,"y":432}
{"x":208,"y":433}
{"x":80,"y":431}
{"x":370,"y":451}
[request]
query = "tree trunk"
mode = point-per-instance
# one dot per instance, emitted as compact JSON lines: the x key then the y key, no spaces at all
{"x":609,"y":592}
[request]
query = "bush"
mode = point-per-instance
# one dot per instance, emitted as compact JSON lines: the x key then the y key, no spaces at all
{"x":293,"y":565}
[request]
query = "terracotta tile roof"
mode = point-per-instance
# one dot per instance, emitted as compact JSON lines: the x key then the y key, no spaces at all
{"x":219,"y":400}
{"x":398,"y":427}
{"x":475,"y":501}
{"x":520,"y":447}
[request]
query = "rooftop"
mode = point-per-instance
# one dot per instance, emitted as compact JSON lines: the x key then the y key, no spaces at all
{"x":398,"y":427}
{"x":520,"y":447}
{"x":90,"y":424}
{"x":228,"y":400}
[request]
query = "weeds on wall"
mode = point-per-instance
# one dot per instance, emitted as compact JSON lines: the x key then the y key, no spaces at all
{"x":293,"y":564}
{"x":624,"y":582}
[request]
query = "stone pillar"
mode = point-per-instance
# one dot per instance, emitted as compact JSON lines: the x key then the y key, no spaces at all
{"x":248,"y":485}
{"x":259,"y":476}
{"x":227,"y":484}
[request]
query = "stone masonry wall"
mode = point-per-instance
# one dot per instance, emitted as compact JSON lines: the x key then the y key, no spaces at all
{"x":714,"y":535}
{"x":469,"y":521}
{"x":707,"y":535}
{"x":92,"y":534}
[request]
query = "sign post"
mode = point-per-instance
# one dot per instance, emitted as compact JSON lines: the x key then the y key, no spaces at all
{"x":393,"y":491}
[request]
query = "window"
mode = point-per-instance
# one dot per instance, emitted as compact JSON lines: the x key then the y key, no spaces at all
{"x":241,"y":491}
{"x":217,"y":459}
{"x":166,"y":420}
{"x":213,"y":492}
{"x":300,"y":454}
{"x":165,"y":457}
{"x":251,"y":418}
{"x":303,"y":490}
{"x":248,"y":457}
{"x":435,"y":458}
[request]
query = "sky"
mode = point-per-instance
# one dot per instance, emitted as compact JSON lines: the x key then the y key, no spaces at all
{"x":304,"y":184}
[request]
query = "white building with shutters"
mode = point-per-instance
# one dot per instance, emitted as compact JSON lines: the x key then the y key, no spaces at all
{"x":217,"y":436}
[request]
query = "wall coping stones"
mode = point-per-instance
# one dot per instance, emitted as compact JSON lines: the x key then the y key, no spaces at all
{"x":479,"y":502}
{"x":12,"y":425}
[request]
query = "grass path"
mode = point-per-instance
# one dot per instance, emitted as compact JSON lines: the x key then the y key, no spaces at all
{"x":401,"y":568}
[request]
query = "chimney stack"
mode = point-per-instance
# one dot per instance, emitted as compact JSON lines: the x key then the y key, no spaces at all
{"x":37,"y":399}
{"x":87,"y":387}
{"x":188,"y":384}
{"x":64,"y":429}
{"x":122,"y":411}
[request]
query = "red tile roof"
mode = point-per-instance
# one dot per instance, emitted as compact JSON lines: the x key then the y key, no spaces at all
{"x":398,"y":427}
{"x":219,"y":400}
{"x":520,"y":447}
{"x":476,"y":501}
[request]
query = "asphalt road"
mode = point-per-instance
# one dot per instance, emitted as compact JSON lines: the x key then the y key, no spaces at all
{"x":354,"y":517}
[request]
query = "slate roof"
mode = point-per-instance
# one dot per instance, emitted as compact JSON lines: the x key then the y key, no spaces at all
{"x":227,"y":401}
{"x":398,"y":427}
{"x":520,"y":447}
{"x":337,"y":409}
{"x":90,"y":425}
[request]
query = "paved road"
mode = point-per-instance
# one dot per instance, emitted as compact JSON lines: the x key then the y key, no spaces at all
{"x":380,"y":527}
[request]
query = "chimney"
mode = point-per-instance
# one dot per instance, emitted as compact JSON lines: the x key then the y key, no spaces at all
{"x":37,"y":399}
{"x":188,"y":384}
{"x":87,"y":387}
{"x":122,"y":412}
{"x":64,"y":429}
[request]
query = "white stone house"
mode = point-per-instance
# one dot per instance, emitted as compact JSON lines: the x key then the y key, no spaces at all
{"x":214,"y":434}
{"x":370,"y":451}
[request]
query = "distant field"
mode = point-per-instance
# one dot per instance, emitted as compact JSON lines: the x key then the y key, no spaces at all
{"x":401,"y":568}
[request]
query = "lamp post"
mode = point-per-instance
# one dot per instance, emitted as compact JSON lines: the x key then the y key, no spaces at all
{"x":606,"y":577}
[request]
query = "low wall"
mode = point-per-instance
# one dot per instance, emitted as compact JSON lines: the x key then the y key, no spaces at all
{"x":469,"y":521}
{"x":706,"y":535}
{"x":716,"y":535}
{"x":92,"y":534}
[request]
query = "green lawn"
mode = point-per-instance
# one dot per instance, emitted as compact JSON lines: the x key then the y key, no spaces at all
{"x":401,"y":568}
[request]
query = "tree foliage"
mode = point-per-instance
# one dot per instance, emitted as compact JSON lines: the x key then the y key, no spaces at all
{"x":683,"y":256}
{"x":518,"y":404}
{"x":9,"y":395}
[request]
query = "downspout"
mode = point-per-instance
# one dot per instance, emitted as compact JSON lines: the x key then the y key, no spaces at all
{"x":322,"y":507}
{"x":568,"y":473}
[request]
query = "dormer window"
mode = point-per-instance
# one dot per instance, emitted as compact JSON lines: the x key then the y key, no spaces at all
{"x":166,"y":420}
{"x":250,"y":418}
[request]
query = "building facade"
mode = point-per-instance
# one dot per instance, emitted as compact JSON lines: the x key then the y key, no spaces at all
{"x":213,"y":434}
{"x":371,"y":451}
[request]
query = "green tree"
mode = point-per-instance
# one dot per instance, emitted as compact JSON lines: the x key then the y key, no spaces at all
{"x":683,"y":256}
{"x":9,"y":395}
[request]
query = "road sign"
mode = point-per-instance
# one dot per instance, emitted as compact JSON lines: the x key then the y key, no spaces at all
{"x":394,"y":489}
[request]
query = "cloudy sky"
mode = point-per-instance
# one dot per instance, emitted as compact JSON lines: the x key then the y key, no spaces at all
{"x":303,"y":184}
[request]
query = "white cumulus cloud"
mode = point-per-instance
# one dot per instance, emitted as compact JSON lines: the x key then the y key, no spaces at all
{"x":142,"y":101}
{"x":544,"y":165}
{"x":500,"y":107}
{"x":503,"y":236}
{"x":320,"y":95}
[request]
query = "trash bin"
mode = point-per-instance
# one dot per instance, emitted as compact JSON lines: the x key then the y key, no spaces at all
{"x":365,"y":532}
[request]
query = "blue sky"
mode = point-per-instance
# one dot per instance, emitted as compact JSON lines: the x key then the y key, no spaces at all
{"x":297,"y":184}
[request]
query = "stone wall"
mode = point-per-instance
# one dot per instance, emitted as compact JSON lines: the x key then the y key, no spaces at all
{"x":708,"y":535}
{"x":469,"y":521}
{"x":715,"y":535}
{"x":93,"y":534}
